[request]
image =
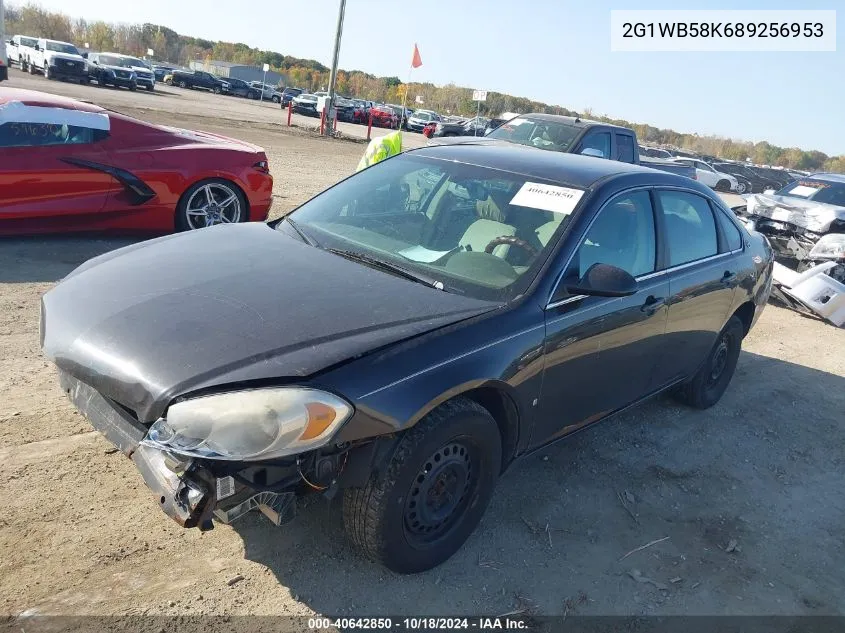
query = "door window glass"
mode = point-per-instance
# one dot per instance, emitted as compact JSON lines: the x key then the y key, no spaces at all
{"x":690,"y":227}
{"x":621,"y":235}
{"x":733,"y":239}
{"x":599,"y":141}
{"x":625,"y":148}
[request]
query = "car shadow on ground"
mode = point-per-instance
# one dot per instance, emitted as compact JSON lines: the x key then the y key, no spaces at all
{"x":48,"y":259}
{"x":733,"y":489}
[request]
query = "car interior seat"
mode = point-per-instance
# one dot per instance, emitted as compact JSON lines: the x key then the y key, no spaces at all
{"x":491,"y":223}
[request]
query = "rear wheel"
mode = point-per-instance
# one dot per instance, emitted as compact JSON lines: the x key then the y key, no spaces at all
{"x":210,"y":202}
{"x":421,"y":509}
{"x":710,"y":382}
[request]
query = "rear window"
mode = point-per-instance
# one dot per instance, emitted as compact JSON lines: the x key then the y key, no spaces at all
{"x":816,"y":190}
{"x":625,"y":148}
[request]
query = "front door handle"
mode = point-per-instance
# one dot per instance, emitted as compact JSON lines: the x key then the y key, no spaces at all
{"x":728,"y":278}
{"x":652,"y":304}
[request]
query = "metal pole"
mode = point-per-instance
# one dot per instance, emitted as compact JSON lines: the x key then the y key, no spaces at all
{"x":333,"y":77}
{"x":477,"y":112}
{"x":263,"y":83}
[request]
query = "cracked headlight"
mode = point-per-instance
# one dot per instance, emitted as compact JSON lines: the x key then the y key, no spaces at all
{"x":830,"y":246}
{"x":250,"y":425}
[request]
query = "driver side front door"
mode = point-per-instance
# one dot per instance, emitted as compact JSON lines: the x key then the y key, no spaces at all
{"x":601,"y":352}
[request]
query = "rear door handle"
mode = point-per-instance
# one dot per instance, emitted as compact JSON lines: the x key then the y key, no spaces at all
{"x":652,"y":304}
{"x":728,"y":278}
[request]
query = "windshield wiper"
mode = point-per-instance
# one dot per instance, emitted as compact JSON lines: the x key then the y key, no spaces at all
{"x":307,"y":238}
{"x":390,"y":267}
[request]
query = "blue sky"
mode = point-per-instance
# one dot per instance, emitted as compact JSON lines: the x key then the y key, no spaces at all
{"x":557,"y":51}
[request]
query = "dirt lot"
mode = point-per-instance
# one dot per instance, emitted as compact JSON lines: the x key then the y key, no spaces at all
{"x":746,"y":497}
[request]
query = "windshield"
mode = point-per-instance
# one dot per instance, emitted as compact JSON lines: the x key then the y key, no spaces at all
{"x":816,"y":190}
{"x":61,"y":47}
{"x":544,"y":134}
{"x":131,"y":61}
{"x":423,"y":116}
{"x":477,"y":231}
{"x":307,"y":98}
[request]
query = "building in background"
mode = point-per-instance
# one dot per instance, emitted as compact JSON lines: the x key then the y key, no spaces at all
{"x":238,"y":71}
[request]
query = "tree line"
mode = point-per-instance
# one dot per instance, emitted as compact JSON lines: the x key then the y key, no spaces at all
{"x":170,"y":46}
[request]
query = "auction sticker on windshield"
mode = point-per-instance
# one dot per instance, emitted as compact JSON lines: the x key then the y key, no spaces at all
{"x":547,"y":197}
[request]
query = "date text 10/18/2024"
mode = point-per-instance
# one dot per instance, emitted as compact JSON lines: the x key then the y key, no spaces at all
{"x":420,"y":623}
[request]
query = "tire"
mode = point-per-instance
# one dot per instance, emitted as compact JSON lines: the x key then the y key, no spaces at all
{"x":710,"y":382}
{"x":217,"y":90}
{"x":22,"y":65}
{"x":47,"y":74}
{"x":740,"y":188}
{"x":183,"y":84}
{"x":276,"y":100}
{"x":457,"y":443}
{"x":252,"y":95}
{"x":150,"y":87}
{"x":722,"y":185}
{"x":133,"y":87}
{"x":31,"y":68}
{"x":186,"y":221}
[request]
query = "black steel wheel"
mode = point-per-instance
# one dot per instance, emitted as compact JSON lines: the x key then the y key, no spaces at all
{"x":419,"y":510}
{"x":712,"y":379}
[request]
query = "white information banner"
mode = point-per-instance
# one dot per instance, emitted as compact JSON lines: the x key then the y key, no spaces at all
{"x":723,"y":30}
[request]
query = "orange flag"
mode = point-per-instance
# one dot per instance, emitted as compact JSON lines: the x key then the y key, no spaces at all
{"x":416,"y":62}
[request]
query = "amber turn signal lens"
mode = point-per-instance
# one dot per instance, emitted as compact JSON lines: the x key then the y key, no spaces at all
{"x":320,"y":416}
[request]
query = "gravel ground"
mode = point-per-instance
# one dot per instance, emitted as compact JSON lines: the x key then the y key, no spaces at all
{"x":744,"y":500}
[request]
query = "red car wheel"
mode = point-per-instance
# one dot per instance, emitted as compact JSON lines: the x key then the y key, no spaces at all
{"x":210,"y":202}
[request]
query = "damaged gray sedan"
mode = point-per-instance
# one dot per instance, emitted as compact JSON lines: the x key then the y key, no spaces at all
{"x":804,"y":222}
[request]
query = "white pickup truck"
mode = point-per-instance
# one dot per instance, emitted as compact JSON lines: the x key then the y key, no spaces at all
{"x":56,"y":60}
{"x":18,"y":47}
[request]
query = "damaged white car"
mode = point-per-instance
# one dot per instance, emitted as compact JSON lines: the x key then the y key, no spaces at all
{"x":804,"y":222}
{"x":805,"y":225}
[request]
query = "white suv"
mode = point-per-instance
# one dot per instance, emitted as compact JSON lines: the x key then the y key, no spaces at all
{"x":56,"y":60}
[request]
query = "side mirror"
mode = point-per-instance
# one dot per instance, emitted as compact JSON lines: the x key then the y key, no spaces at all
{"x":591,"y":151}
{"x":604,"y":280}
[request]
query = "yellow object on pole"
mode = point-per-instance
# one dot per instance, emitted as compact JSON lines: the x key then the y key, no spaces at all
{"x":381,"y":148}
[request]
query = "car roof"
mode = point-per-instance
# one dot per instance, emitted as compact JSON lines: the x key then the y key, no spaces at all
{"x":572,"y":169}
{"x":839,"y":178}
{"x":35,"y":98}
{"x":570,"y":120}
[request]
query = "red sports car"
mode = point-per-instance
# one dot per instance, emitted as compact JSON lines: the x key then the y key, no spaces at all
{"x":72,"y":166}
{"x":384,"y":117}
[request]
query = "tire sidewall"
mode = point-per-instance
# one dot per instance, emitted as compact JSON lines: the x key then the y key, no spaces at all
{"x":400,"y":555}
{"x":709,"y":396}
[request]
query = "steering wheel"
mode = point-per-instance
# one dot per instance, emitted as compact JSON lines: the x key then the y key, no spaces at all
{"x":512,"y":241}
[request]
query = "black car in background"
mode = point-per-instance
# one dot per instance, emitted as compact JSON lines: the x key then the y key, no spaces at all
{"x":405,"y":336}
{"x":160,"y":72}
{"x":756,"y":182}
{"x":108,"y":70}
{"x":240,"y":88}
{"x":780,"y":176}
{"x":476,"y":126}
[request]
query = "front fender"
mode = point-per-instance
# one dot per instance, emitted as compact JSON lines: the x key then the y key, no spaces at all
{"x":393,"y":390}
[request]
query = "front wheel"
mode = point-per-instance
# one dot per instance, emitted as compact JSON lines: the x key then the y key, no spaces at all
{"x":710,"y":382}
{"x":276,"y":99}
{"x":47,"y":73}
{"x":216,"y":90}
{"x":723,"y":185}
{"x":210,"y":202}
{"x":421,"y":509}
{"x":31,"y":68}
{"x":150,"y":87}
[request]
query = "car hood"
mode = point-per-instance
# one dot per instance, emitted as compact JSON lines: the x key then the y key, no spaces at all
{"x":813,"y":216}
{"x":67,"y":56}
{"x":227,"y":304}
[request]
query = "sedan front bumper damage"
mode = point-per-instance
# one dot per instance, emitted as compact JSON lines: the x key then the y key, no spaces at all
{"x":187,"y":490}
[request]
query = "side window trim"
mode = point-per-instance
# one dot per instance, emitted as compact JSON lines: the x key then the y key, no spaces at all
{"x":650,"y":190}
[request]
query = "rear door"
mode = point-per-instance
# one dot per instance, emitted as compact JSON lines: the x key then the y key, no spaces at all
{"x":41,"y":174}
{"x":701,"y":265}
